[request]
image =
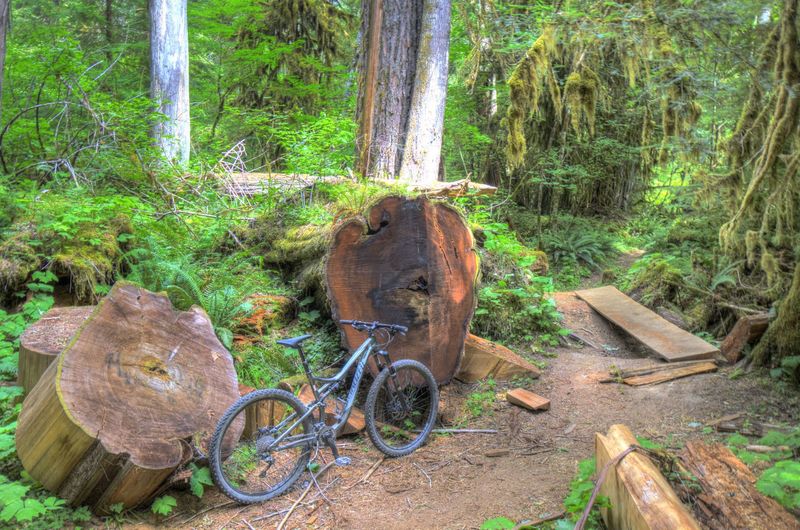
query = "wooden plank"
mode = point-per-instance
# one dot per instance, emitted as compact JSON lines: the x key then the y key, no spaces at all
{"x":747,"y":330}
{"x":641,"y":498}
{"x":484,"y":358}
{"x":527,"y":399}
{"x":618,"y":375}
{"x":728,"y":498}
{"x":664,"y":338}
{"x":678,"y":372}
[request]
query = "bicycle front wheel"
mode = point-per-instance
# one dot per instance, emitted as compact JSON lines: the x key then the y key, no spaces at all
{"x":260,"y":446}
{"x":401,"y":407}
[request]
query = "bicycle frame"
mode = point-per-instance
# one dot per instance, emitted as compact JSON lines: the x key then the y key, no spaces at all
{"x":331,"y":384}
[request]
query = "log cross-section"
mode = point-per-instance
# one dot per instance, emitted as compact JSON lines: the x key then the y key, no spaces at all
{"x":410,"y":262}
{"x":119,"y":410}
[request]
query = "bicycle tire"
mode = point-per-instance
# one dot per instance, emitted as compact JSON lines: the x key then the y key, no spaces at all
{"x":428,"y":393}
{"x":216,"y":447}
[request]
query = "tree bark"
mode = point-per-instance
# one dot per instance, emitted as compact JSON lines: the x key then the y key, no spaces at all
{"x":423,"y":149}
{"x":120,"y":409}
{"x":169,"y":77}
{"x":402,"y":84}
{"x":5,"y":12}
{"x":728,"y":498}
{"x":410,"y":262}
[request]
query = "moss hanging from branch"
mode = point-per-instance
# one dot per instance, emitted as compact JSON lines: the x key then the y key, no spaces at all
{"x":764,"y":159}
{"x":525,"y":87}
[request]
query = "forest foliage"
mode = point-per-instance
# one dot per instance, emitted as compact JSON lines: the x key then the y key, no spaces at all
{"x":665,"y":133}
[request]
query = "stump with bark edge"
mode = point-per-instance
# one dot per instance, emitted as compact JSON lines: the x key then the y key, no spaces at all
{"x":116,"y":415}
{"x":45,"y":339}
{"x":410,"y":262}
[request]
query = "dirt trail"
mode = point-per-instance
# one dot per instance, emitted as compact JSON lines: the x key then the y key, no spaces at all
{"x":456,"y":481}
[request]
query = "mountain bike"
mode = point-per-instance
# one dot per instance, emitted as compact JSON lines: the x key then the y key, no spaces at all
{"x":264,"y":441}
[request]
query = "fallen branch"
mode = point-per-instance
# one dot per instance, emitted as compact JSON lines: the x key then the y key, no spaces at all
{"x":303,"y":496}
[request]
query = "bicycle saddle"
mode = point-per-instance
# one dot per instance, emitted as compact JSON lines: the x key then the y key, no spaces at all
{"x":294,"y":342}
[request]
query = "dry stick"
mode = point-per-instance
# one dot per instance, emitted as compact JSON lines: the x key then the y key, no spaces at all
{"x":430,"y":483}
{"x":303,"y":496}
{"x":248,"y":524}
{"x":232,"y":517}
{"x":201,"y":512}
{"x":368,"y":474}
{"x":466,"y":431}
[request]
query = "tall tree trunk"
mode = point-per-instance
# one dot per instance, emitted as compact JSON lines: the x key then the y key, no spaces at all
{"x":5,"y":12}
{"x":398,"y":94}
{"x":109,"y":30}
{"x":423,"y":149}
{"x":169,"y":76}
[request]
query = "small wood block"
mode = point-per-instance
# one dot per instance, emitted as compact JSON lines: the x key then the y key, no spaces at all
{"x":527,"y":399}
{"x":663,"y":337}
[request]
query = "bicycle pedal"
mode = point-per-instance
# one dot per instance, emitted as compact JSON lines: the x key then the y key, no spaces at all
{"x":342,"y":461}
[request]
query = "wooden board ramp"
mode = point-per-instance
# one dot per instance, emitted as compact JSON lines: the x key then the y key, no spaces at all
{"x":663,"y":337}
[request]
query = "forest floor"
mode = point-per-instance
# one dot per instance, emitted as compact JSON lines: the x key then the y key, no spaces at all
{"x":522,"y":472}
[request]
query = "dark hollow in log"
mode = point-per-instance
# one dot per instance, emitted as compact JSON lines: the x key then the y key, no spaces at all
{"x":729,"y":499}
{"x":119,"y":410}
{"x":410,"y":262}
{"x":41,"y":343}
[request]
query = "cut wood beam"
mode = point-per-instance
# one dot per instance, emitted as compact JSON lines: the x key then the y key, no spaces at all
{"x":641,"y":498}
{"x":729,"y":498}
{"x":747,"y":330}
{"x":619,"y":375}
{"x":529,"y":400}
{"x":663,"y":376}
{"x":484,"y":358}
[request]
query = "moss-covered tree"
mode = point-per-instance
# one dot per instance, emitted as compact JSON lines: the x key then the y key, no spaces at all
{"x":763,"y":186}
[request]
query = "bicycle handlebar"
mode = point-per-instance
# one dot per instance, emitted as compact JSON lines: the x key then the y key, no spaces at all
{"x":372,"y":326}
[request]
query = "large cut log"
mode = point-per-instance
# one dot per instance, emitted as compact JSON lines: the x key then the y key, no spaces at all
{"x":119,"y":410}
{"x":409,"y":262}
{"x":41,"y":343}
{"x":747,"y":330}
{"x":484,"y":358}
{"x":728,"y":499}
{"x":641,"y":498}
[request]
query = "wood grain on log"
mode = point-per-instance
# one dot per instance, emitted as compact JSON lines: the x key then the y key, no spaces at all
{"x":729,"y":499}
{"x":663,"y":376}
{"x":747,"y":330}
{"x":484,"y":358}
{"x":45,"y":339}
{"x":410,"y":262}
{"x":641,"y":498}
{"x":116,"y":414}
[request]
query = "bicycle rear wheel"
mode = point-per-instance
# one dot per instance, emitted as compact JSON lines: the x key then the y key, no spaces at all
{"x":401,"y":408}
{"x":259,"y":448}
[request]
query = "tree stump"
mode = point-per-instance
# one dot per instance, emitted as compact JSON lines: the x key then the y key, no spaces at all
{"x":410,"y":262}
{"x":116,"y":414}
{"x":41,"y":343}
{"x":747,"y":330}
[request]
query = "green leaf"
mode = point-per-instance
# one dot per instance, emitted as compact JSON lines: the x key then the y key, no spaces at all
{"x":164,"y":505}
{"x":498,"y":523}
{"x":201,"y":477}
